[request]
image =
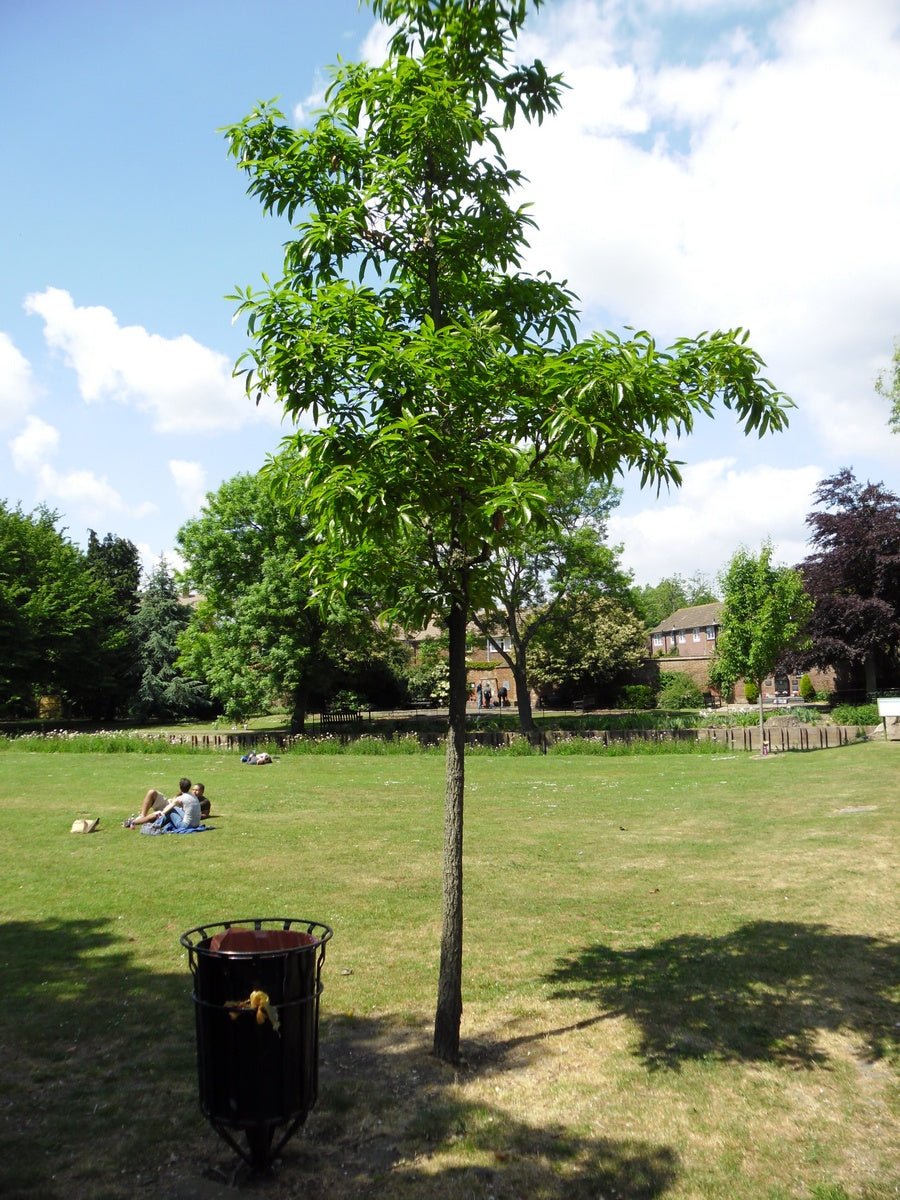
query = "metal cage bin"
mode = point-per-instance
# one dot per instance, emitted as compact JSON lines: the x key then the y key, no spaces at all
{"x":257,"y":983}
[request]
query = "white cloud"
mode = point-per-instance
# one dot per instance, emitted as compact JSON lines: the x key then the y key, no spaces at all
{"x":718,"y":508}
{"x":184,"y":386}
{"x":91,"y":496}
{"x":16,"y":384}
{"x":150,"y":558}
{"x":756,"y":187}
{"x":190,"y":483}
{"x":80,"y":493}
{"x":34,"y":446}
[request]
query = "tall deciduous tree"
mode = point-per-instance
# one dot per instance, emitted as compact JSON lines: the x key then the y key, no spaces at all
{"x":853,"y":576}
{"x":657,"y":601}
{"x":764,"y":618}
{"x":546,"y":573}
{"x":444,"y":382}
{"x":115,"y":565}
{"x":888,"y":385}
{"x":587,"y":643}
{"x":52,"y":616}
{"x":255,"y":637}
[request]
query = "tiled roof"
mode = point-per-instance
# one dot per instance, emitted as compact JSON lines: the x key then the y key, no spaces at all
{"x":691,"y":618}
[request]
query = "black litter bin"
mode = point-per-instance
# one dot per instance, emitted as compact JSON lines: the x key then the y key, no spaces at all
{"x":257,"y":984}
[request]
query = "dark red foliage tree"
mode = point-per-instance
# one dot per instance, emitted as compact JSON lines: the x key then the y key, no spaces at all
{"x":853,"y":576}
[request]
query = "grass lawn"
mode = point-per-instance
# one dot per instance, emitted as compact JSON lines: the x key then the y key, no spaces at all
{"x":677,"y":977}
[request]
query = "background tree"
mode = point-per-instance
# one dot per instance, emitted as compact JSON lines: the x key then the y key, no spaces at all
{"x":255,"y":637}
{"x":764,"y":617}
{"x":853,"y":576}
{"x":115,"y":565}
{"x":164,"y":693}
{"x":888,"y":385}
{"x":585,"y":647}
{"x":655,"y":602}
{"x":53,"y":616}
{"x":430,"y":677}
{"x":445,"y":383}
{"x":550,"y":568}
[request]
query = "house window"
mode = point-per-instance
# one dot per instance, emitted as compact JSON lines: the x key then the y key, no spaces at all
{"x":682,"y":636}
{"x":658,"y":639}
{"x":696,"y":635}
{"x":710,"y":633}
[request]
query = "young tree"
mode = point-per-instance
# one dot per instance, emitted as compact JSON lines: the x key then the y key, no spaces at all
{"x":763,"y":618}
{"x":853,"y":576}
{"x":549,"y":569}
{"x":255,"y":637}
{"x":445,"y":384}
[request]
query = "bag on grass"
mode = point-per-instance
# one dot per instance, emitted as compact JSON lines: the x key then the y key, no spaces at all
{"x":85,"y":825}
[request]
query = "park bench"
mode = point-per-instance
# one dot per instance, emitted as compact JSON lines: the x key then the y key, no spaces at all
{"x":341,"y":718}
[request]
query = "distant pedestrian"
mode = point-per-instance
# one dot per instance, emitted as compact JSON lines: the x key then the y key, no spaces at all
{"x":487,"y":696}
{"x":479,"y":695}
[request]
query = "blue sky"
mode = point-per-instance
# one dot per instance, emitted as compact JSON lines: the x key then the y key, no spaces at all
{"x":715,"y":164}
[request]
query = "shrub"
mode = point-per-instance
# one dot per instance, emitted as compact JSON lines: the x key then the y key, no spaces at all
{"x":679,"y":691}
{"x":751,"y":692}
{"x":637,"y":695}
{"x":855,"y":714}
{"x":806,"y":689}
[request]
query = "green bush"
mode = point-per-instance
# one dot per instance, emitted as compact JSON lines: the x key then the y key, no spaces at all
{"x":751,"y":692}
{"x":637,"y":695}
{"x":679,"y":691}
{"x":855,"y":714}
{"x":806,"y":689}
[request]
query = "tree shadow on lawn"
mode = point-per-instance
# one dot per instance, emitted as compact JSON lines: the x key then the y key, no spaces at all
{"x":98,"y":1098}
{"x":763,"y":992}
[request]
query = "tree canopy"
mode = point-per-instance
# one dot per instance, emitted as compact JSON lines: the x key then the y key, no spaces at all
{"x":444,"y":382}
{"x":545,"y":569}
{"x":764,"y":617}
{"x":59,"y":619}
{"x":655,"y":602}
{"x":255,"y":637}
{"x":853,"y":576}
{"x":586,"y":645}
{"x":164,"y":691}
{"x":888,"y":385}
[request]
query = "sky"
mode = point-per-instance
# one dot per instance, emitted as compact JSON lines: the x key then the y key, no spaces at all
{"x":717,"y":163}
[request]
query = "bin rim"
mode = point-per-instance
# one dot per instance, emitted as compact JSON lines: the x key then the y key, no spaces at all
{"x":316,"y":929}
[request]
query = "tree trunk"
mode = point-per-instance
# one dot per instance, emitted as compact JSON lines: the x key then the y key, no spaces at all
{"x":523,"y":699}
{"x":298,"y":713}
{"x":762,"y":719}
{"x":871,"y":675}
{"x":448,"y":1014}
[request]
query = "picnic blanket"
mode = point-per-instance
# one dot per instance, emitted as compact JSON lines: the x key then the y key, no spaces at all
{"x":153,"y":828}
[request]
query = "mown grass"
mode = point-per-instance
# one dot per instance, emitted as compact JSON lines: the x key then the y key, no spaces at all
{"x":677,"y":980}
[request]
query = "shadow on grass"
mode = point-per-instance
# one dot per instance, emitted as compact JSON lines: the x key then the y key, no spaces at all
{"x":761,"y":993}
{"x":98,"y":1098}
{"x":91,"y":1054}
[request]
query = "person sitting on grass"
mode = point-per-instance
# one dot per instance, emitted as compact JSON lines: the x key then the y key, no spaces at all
{"x":184,"y":810}
{"x":205,"y":803}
